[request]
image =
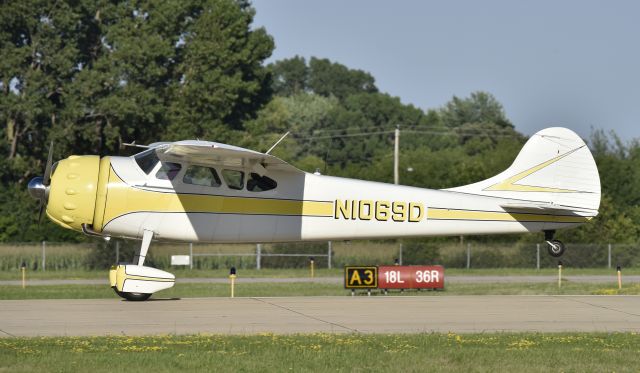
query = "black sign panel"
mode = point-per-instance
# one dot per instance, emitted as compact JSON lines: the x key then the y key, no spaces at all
{"x":360,"y":277}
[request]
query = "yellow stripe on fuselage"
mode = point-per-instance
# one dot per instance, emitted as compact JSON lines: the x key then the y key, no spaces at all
{"x":124,"y":199}
{"x":446,"y":214}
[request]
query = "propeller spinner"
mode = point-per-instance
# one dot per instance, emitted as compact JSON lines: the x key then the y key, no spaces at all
{"x":39,"y":185}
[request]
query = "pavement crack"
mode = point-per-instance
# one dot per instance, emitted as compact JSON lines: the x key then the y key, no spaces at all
{"x":307,"y":316}
{"x":9,"y":334}
{"x":600,"y":306}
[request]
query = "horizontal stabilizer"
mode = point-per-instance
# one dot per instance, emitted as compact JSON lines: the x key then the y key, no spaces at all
{"x":543,"y":207}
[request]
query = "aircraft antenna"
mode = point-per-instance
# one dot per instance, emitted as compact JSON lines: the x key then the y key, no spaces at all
{"x":277,"y":142}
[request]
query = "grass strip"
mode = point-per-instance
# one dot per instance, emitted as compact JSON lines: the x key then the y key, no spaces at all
{"x":188,"y":290}
{"x":305,"y":272}
{"x":502,"y":352}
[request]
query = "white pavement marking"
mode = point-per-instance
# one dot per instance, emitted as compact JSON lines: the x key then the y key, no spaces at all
{"x":397,"y":314}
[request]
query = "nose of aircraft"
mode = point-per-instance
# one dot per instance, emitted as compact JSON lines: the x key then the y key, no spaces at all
{"x":72,"y":191}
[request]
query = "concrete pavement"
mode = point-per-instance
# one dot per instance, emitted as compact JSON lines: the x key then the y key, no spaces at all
{"x":378,"y":314}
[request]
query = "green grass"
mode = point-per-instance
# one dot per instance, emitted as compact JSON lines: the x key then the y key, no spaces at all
{"x":501,"y":352}
{"x":179,"y":272}
{"x":187,"y":290}
{"x":567,"y":271}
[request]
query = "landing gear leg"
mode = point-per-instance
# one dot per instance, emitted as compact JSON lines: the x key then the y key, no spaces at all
{"x":556,"y":247}
{"x":122,"y":273}
{"x":142,"y":253}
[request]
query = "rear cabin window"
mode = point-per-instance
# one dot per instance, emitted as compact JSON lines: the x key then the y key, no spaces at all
{"x":168,"y":171}
{"x":257,"y":183}
{"x":234,"y":179}
{"x":146,"y":160}
{"x":199,"y":175}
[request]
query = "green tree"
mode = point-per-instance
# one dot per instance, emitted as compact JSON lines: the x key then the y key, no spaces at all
{"x":479,"y":107}
{"x":219,"y":82}
{"x":91,"y":75}
{"x":328,"y":78}
{"x":290,"y":76}
{"x":321,"y":76}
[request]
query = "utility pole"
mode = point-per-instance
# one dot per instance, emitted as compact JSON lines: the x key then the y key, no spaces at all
{"x":396,"y":156}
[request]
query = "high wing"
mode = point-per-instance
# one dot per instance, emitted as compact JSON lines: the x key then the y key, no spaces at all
{"x":213,"y":153}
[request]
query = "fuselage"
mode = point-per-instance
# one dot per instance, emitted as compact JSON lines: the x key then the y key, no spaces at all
{"x":184,"y":202}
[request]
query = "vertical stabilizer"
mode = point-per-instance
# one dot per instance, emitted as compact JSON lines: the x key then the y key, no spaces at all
{"x":554,"y":167}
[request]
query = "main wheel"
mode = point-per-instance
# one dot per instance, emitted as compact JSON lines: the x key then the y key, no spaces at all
{"x":134,"y":297}
{"x":556,"y":248}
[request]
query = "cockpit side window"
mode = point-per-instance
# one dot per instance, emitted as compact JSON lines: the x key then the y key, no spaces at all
{"x":199,"y":175}
{"x":168,"y":171}
{"x":259,"y":183}
{"x":147,"y":160}
{"x":234,"y":179}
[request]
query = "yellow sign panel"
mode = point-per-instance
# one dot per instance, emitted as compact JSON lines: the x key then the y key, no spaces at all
{"x":360,"y":277}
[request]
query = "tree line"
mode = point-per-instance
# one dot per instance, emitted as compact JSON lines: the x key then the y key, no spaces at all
{"x":92,"y":75}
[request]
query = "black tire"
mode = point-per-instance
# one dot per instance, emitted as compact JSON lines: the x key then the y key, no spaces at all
{"x":134,"y":297}
{"x":556,"y":248}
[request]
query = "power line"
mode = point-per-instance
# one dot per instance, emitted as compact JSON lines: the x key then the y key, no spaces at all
{"x":462,"y":133}
{"x":443,"y":132}
{"x":343,"y":135}
{"x":403,"y":128}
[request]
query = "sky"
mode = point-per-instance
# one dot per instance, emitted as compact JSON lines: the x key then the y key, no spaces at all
{"x":565,"y":63}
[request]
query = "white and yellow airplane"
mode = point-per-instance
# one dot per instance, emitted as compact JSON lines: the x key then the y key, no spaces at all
{"x":199,"y":191}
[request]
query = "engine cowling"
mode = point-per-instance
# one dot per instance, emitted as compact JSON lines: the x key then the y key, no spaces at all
{"x":72,"y":195}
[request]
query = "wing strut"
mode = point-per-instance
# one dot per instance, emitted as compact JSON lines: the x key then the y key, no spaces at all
{"x":277,"y":142}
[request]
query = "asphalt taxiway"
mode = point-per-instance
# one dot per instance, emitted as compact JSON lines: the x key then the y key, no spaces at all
{"x":360,"y":314}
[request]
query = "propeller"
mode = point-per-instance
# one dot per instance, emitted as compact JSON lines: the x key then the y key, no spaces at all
{"x":47,"y":169}
{"x":39,"y":185}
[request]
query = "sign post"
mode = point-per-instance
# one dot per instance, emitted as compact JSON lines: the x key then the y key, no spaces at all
{"x":312,"y":265}
{"x":23,"y":268}
{"x":559,"y":274}
{"x":232,"y":277}
{"x":619,"y":277}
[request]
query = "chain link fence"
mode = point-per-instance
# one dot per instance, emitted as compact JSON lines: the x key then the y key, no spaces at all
{"x":101,"y":254}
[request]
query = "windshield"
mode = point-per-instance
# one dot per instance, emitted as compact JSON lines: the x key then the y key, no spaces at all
{"x":146,"y":160}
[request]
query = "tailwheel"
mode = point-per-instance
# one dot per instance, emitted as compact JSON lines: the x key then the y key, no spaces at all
{"x":556,"y":248}
{"x":134,"y":297}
